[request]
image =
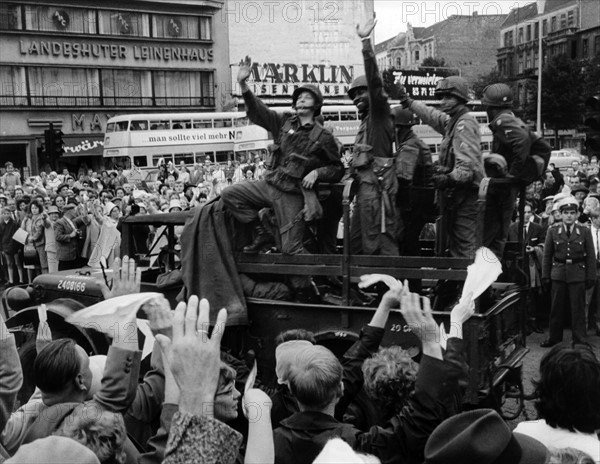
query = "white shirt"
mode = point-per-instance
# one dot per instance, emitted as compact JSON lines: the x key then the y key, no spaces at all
{"x":595,"y":237}
{"x":561,"y":438}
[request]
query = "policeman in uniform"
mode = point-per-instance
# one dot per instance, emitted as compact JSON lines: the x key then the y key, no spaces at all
{"x":570,"y":263}
{"x":519,"y":146}
{"x":461,"y":167}
{"x":305,"y":153}
{"x":374,"y":228}
{"x":414,"y":169}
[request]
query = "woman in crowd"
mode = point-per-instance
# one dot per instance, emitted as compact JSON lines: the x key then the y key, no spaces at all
{"x":52,"y":216}
{"x":33,"y":224}
{"x":10,"y":249}
{"x":108,"y":245}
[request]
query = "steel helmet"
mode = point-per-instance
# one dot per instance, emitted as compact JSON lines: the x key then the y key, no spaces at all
{"x":315,"y":92}
{"x":453,"y":85}
{"x":359,"y":83}
{"x":497,"y":95}
{"x":403,"y":117}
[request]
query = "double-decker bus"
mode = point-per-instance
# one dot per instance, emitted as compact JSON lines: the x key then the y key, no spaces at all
{"x":145,"y":140}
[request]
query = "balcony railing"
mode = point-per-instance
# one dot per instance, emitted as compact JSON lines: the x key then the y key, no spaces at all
{"x":562,"y":34}
{"x":18,"y":101}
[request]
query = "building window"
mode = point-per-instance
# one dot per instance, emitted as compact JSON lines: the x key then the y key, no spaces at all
{"x":13,"y":86}
{"x":553,"y":24}
{"x":528,"y":34}
{"x":58,"y":18}
{"x":183,"y":88}
{"x":585,"y":45}
{"x":64,"y":86}
{"x":520,"y":64}
{"x":597,"y":45}
{"x":398,"y":62}
{"x":124,"y":87}
{"x":571,"y":18}
{"x":205,"y":28}
{"x":112,"y":22}
{"x":563,"y":21}
{"x":416,"y":55}
{"x":520,"y":36}
{"x":536,"y":31}
{"x":10,"y":16}
{"x":545,"y":28}
{"x":180,"y":27}
{"x":528,"y":60}
{"x":536,"y":57}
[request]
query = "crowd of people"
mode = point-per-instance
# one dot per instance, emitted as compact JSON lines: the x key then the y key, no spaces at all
{"x":188,"y":407}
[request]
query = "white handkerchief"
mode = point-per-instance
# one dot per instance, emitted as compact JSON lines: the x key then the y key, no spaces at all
{"x":481,"y":274}
{"x":119,"y":310}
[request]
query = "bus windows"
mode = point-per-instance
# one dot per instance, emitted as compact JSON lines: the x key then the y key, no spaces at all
{"x":140,"y":161}
{"x":110,"y":127}
{"x":160,"y":125}
{"x":202,"y":124}
{"x":241,"y":122}
{"x":348,"y":116}
{"x":223,"y":156}
{"x":121,"y":126}
{"x":187,"y":158}
{"x":138,"y":125}
{"x":181,"y":124}
{"x":203,"y":156}
{"x":223,"y":123}
{"x":331,"y":116}
{"x":159,"y":159}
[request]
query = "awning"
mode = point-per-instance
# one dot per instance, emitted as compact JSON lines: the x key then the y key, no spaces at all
{"x":83,"y":146}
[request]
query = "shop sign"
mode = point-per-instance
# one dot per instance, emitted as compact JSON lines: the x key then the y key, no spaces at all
{"x":419,"y":84}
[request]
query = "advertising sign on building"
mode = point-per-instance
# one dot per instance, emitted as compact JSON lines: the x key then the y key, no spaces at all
{"x":420,"y":85}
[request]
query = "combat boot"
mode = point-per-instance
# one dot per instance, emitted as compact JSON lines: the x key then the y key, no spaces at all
{"x":262,"y":241}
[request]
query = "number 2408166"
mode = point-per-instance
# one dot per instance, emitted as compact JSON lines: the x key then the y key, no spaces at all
{"x":71,"y":285}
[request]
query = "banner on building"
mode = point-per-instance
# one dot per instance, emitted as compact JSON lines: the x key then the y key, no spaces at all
{"x":420,"y":85}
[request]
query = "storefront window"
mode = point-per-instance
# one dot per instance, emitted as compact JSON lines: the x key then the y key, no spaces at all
{"x":176,"y":27}
{"x":10,"y":16}
{"x":112,"y":22}
{"x":64,"y":86}
{"x":61,"y":19}
{"x":125,"y":87}
{"x":183,"y":88}
{"x":205,"y":28}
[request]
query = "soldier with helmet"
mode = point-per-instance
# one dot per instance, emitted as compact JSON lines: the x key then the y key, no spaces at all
{"x":461,"y":169}
{"x":570,"y":264}
{"x":304,"y":153}
{"x":375,"y":219}
{"x":414,"y":170}
{"x":520,"y":147}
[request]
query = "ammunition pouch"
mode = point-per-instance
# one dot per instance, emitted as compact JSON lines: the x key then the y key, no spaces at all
{"x":362,"y":156}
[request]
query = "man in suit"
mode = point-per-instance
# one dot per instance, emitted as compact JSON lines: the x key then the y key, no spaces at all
{"x":70,"y":235}
{"x":570,"y":263}
{"x":593,"y":294}
{"x":533,"y":237}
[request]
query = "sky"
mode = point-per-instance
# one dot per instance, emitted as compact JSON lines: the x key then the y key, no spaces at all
{"x":392,"y":15}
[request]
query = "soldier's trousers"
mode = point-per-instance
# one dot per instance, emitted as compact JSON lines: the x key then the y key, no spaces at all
{"x":245,"y":199}
{"x":499,"y":209}
{"x":460,"y":214}
{"x":366,"y":235}
{"x":563,"y":296}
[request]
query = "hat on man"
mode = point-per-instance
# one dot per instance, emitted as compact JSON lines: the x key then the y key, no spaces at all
{"x":580,"y":188}
{"x":568,"y":204}
{"x":115,"y":199}
{"x":61,"y":186}
{"x":548,"y":198}
{"x":68,"y":206}
{"x":481,"y":437}
{"x":53,"y":209}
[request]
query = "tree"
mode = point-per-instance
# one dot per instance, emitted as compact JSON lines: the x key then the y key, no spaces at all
{"x":561,"y":95}
{"x":438,"y":66}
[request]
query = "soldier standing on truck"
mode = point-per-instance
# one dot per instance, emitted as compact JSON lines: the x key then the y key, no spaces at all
{"x":304,"y":153}
{"x":519,"y":146}
{"x":414,"y":170}
{"x":461,"y":168}
{"x":375,"y":220}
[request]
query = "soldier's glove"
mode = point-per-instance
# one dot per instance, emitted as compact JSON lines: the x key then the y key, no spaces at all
{"x":589,"y":283}
{"x":442,"y":181}
{"x":405,"y":100}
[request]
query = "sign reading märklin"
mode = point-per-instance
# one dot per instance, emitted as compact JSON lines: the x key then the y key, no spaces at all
{"x":281,"y":79}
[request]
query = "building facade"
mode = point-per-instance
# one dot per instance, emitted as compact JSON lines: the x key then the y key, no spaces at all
{"x":466,"y":43}
{"x":292,"y":43}
{"x":76,"y":64}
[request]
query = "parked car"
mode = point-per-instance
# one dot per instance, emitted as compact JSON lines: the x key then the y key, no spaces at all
{"x":562,"y":159}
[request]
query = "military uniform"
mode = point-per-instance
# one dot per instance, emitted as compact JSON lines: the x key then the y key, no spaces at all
{"x":569,"y":261}
{"x":460,"y":157}
{"x":374,"y":226}
{"x":414,"y":169}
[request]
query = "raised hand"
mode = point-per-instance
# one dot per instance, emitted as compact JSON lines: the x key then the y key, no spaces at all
{"x":366,"y":29}
{"x":421,"y":322}
{"x":127,"y":279}
{"x":193,"y":356}
{"x":245,"y":70}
